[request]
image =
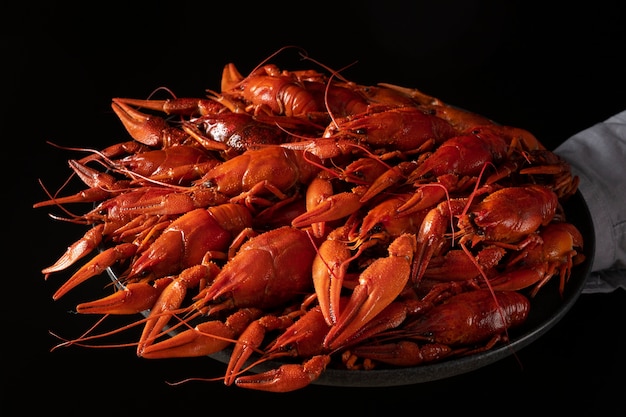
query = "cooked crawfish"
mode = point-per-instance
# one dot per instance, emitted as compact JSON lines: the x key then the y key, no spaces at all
{"x":268,"y":270}
{"x":179,"y":244}
{"x":298,"y":216}
{"x":402,"y":129}
{"x":466,"y":323}
{"x":553,"y":250}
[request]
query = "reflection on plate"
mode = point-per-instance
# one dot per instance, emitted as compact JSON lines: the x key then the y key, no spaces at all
{"x":547,"y":308}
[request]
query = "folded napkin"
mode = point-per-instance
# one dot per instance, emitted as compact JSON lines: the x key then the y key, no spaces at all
{"x":598,"y":156}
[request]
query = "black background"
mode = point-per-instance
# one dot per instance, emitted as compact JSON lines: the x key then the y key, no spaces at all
{"x":553,"y":71}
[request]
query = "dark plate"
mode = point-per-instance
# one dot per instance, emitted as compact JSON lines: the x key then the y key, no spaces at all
{"x":547,"y":308}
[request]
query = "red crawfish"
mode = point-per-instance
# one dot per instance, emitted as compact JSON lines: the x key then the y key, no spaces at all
{"x":220,"y":130}
{"x":472,"y":317}
{"x":553,"y":250}
{"x":252,"y":177}
{"x":141,"y":174}
{"x":268,"y":270}
{"x":183,"y":243}
{"x":382,"y":129}
{"x":256,"y":173}
{"x":306,"y":95}
{"x":504,"y":216}
{"x":269,"y":90}
{"x":466,"y":323}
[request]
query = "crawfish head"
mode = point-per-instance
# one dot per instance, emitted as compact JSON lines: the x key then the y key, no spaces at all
{"x":267,"y":271}
{"x":187,"y":239}
{"x":272,"y":168}
{"x":463,"y":155}
{"x":240,"y":131}
{"x":508,"y":214}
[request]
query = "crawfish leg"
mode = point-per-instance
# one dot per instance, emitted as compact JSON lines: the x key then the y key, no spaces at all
{"x":204,"y":339}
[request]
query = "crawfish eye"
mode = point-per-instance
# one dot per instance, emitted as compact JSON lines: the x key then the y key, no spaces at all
{"x":361,"y":131}
{"x":208,"y":184}
{"x":472,"y":221}
{"x":378,"y":228}
{"x":287,"y":349}
{"x":357,"y":175}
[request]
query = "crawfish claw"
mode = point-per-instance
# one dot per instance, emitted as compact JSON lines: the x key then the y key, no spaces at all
{"x":332,"y":208}
{"x":76,"y":251}
{"x":134,"y":298}
{"x":205,"y":339}
{"x":287,"y":378}
{"x":96,"y":266}
{"x":379,"y":284}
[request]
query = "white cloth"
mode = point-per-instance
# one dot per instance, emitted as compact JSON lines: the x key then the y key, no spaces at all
{"x":598,"y":156}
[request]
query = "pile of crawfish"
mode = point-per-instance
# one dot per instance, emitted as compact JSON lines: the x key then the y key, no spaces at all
{"x":298,"y":217}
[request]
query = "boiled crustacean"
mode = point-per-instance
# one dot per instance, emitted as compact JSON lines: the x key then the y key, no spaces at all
{"x":298,"y":216}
